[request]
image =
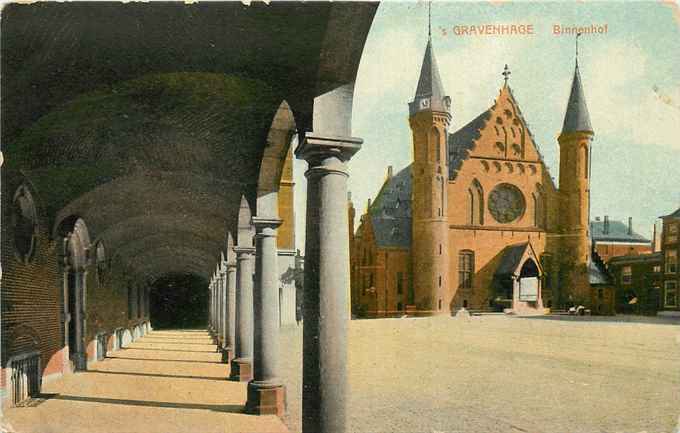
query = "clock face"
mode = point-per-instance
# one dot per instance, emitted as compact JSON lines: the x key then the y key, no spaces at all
{"x":506,"y":203}
{"x":424,"y":103}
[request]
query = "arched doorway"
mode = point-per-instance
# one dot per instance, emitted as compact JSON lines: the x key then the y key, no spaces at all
{"x":76,"y":242}
{"x":529,"y":282}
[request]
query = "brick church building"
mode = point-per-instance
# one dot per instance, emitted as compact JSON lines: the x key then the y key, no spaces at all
{"x":476,"y":220}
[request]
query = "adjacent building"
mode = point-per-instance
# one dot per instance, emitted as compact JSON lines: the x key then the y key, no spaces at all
{"x":670,"y":245}
{"x":639,"y":281}
{"x":614,"y":238}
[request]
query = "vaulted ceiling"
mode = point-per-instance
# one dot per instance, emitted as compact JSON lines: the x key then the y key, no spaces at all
{"x":150,"y":120}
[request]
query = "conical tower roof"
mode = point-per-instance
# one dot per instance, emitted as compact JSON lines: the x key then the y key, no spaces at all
{"x":430,"y":84}
{"x":577,"y":117}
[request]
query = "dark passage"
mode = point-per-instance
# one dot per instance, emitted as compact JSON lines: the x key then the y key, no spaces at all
{"x":179,"y":301}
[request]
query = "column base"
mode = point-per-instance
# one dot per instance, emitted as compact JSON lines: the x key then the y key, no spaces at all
{"x":241,"y":370}
{"x":227,"y":355}
{"x":265,"y":399}
{"x":79,"y":361}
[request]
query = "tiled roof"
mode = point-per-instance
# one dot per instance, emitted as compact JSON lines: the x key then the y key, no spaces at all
{"x":512,"y":254}
{"x":462,"y":141}
{"x":576,"y":117}
{"x":618,"y":232}
{"x":391,"y":211}
{"x":430,"y":83}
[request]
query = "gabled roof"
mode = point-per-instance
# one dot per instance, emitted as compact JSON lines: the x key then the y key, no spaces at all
{"x":618,"y":232}
{"x":576,"y":117}
{"x":512,"y":257}
{"x":463,"y":141}
{"x":390,"y":212}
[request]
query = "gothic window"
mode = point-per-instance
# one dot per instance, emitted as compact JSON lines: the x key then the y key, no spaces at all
{"x":434,"y":137}
{"x":506,"y":203}
{"x":476,"y":204}
{"x":466,"y":268}
{"x":539,"y":208}
{"x":400,"y":282}
{"x":24,"y":223}
{"x":441,"y":184}
{"x":585,"y":161}
{"x":101,"y":262}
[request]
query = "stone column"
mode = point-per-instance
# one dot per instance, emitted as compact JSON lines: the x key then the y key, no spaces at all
{"x":80,"y":357}
{"x":266,"y":393}
{"x":220,"y":310}
{"x":224,"y":310}
{"x":326,"y":311}
{"x":229,"y":345}
{"x":241,"y":365}
{"x":212,"y":306}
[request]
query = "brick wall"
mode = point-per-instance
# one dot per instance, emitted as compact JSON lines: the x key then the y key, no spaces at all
{"x":32,"y":295}
{"x":31,"y":292}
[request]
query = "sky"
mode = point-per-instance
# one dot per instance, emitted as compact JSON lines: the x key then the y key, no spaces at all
{"x":630,"y":75}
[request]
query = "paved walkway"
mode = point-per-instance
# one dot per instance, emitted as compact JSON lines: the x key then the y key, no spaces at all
{"x":165,"y":382}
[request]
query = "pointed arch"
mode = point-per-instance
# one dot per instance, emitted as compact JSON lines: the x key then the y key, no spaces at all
{"x":435,"y":138}
{"x":586,"y":166}
{"x":539,"y":207}
{"x":475,"y":203}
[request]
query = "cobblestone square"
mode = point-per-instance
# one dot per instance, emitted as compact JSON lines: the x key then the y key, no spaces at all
{"x":506,"y":374}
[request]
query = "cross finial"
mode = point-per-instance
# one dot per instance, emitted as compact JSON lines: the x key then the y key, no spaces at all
{"x":506,"y":74}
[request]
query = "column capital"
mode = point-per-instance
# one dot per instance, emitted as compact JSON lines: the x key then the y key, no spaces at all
{"x":266,"y":222}
{"x":317,"y":147}
{"x":231,"y":266}
{"x":243,"y":252}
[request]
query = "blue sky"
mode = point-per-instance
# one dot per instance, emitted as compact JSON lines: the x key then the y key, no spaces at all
{"x":631,"y":78}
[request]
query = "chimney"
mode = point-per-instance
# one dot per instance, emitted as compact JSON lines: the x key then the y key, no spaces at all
{"x":630,"y":226}
{"x":389,"y":171}
{"x":656,"y":238}
{"x":605,"y":228}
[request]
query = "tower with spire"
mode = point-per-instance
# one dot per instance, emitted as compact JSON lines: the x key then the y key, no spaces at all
{"x":574,"y":189}
{"x":429,"y":118}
